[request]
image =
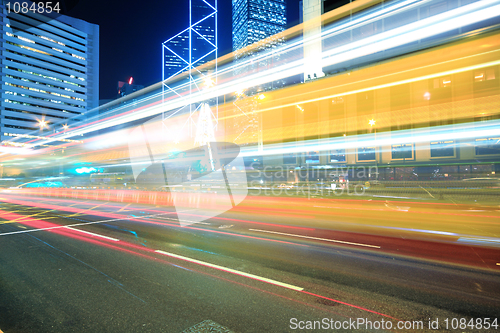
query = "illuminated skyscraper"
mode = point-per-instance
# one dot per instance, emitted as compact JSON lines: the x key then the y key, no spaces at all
{"x":186,"y":52}
{"x":50,"y":72}
{"x":197,"y":44}
{"x":254,"y":20}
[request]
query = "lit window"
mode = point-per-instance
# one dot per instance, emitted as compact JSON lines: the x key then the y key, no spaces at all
{"x":337,"y":155}
{"x":443,"y":148}
{"x":488,"y":146}
{"x":442,"y":82}
{"x":402,"y":151}
{"x":312,"y":157}
{"x":366,"y":154}
{"x":77,"y":56}
{"x":26,"y":39}
{"x":484,"y":75}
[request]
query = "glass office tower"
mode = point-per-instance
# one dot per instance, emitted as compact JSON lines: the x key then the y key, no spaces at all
{"x":194,"y":46}
{"x":254,"y":20}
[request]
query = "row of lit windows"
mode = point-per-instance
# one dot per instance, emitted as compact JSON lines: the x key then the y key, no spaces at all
{"x":33,"y":42}
{"x":21,"y":127}
{"x":44,"y":76}
{"x":39,"y":106}
{"x":34,"y":113}
{"x":28,"y":48}
{"x":18,"y":119}
{"x":438,"y":149}
{"x":484,"y":75}
{"x":44,"y":99}
{"x":258,"y":25}
{"x":80,"y":41}
{"x":268,"y":18}
{"x":45,"y":84}
{"x":60,"y":43}
{"x":479,"y":76}
{"x":45,"y":61}
{"x":266,"y":4}
{"x":31,"y":49}
{"x":45,"y":92}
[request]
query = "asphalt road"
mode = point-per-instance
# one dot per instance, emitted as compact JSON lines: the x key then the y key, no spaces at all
{"x":126,"y":267}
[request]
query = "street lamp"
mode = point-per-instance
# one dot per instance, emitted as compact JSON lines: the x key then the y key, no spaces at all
{"x":240,"y":93}
{"x":209,"y":82}
{"x":65,"y":126}
{"x":42,"y":124}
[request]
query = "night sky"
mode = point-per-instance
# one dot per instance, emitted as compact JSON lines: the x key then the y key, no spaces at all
{"x":131,"y":33}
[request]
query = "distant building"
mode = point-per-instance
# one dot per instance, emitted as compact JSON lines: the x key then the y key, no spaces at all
{"x":254,"y":20}
{"x":126,"y":88}
{"x":50,"y":72}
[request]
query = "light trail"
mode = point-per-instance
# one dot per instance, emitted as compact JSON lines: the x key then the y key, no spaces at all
{"x":436,"y":133}
{"x":317,"y":238}
{"x":129,"y":248}
{"x":436,"y":24}
{"x":232,"y":271}
{"x":147,"y":219}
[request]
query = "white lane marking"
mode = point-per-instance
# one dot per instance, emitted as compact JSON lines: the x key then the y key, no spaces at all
{"x":316,"y":238}
{"x":233,"y":271}
{"x":92,"y":234}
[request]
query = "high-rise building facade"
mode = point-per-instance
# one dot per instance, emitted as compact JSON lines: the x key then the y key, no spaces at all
{"x":197,"y":44}
{"x":49,"y":72}
{"x":254,"y":20}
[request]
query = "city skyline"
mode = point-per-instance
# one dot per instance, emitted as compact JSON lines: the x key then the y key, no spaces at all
{"x":131,"y":36}
{"x":343,"y":174}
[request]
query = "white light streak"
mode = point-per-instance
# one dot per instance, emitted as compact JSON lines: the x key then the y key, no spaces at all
{"x":447,"y":21}
{"x":317,"y":238}
{"x":233,"y":271}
